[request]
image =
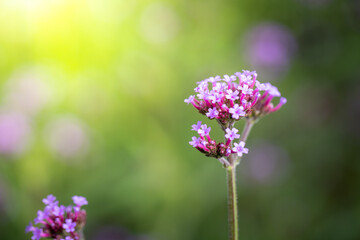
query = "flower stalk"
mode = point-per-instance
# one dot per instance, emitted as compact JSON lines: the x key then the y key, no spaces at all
{"x":232,"y":203}
{"x":81,"y":235}
{"x":245,"y":134}
{"x":231,"y":186}
{"x":228,"y":100}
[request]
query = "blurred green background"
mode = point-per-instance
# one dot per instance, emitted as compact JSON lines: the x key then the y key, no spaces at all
{"x":92,"y":104}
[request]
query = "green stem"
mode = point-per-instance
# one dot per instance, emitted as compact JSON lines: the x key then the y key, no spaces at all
{"x":232,"y":203}
{"x":81,"y":233}
{"x":231,"y":182}
{"x":244,"y":135}
{"x":248,"y":125}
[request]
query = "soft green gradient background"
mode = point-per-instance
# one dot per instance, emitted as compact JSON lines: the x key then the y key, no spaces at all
{"x":124,"y":70}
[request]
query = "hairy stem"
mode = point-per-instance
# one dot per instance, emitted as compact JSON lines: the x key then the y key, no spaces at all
{"x":247,"y":128}
{"x":81,"y":233}
{"x":230,"y":165}
{"x":232,"y":203}
{"x":231,"y":182}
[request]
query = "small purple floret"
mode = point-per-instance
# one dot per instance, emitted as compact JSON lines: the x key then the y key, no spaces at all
{"x":36,"y":234}
{"x":197,"y":126}
{"x":231,"y":134}
{"x":229,"y":79}
{"x":273,"y":91}
{"x":41,"y":215}
{"x":69,"y":225}
{"x":239,"y":148}
{"x":190,"y":99}
{"x":216,"y":97}
{"x":213,"y":113}
{"x":29,"y":228}
{"x":195,"y":141}
{"x":204,"y":130}
{"x":245,"y":89}
{"x":231,"y":95}
{"x":67,"y":238}
{"x":237,"y":111}
{"x":79,"y":201}
{"x":50,"y":199}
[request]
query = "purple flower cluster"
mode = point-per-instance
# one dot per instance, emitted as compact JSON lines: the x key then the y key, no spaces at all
{"x":231,"y":98}
{"x":228,"y":100}
{"x":210,"y":148}
{"x":58,"y":221}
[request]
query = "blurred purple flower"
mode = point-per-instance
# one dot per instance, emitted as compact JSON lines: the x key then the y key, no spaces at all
{"x":79,"y":201}
{"x":266,"y":163}
{"x":270,"y":47}
{"x":27,"y":91}
{"x":14,"y":133}
{"x":57,"y":221}
{"x":67,"y":137}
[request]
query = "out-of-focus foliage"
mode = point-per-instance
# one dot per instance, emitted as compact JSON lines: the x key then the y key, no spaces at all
{"x":91,"y":104}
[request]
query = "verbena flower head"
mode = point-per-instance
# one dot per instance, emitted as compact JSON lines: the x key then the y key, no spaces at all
{"x":58,"y":221}
{"x":234,"y":97}
{"x":230,"y":99}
